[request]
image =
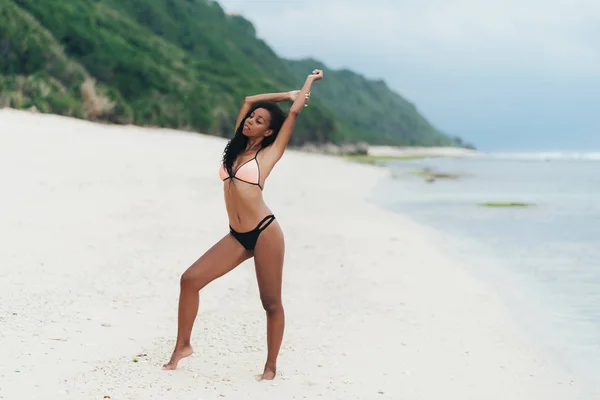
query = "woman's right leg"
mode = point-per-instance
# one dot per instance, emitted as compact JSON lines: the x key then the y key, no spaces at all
{"x":224,"y":256}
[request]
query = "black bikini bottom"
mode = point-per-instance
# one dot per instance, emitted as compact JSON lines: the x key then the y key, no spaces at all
{"x":248,"y":239}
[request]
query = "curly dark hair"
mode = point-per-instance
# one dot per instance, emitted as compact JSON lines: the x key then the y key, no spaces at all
{"x":239,"y":141}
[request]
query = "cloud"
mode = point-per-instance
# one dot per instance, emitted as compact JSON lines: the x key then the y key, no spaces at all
{"x":552,"y":37}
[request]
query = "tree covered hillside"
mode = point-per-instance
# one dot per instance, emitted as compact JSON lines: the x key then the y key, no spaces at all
{"x":182,"y":64}
{"x":375,"y":113}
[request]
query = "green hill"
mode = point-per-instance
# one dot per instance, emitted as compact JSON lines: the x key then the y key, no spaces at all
{"x":182,"y":64}
{"x":375,"y":113}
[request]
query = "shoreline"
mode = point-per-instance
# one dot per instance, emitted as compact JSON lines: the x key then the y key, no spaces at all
{"x":102,"y":220}
{"x":419,"y":151}
{"x":542,"y":287}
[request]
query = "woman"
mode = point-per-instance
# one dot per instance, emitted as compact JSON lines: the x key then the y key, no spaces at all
{"x":262,"y":134}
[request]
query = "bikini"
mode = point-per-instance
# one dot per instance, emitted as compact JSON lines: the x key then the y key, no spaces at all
{"x":248,"y":172}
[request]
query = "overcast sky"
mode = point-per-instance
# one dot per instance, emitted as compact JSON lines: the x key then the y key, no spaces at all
{"x":504,"y":74}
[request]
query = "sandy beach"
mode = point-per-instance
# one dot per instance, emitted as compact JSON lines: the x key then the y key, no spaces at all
{"x":99,"y":222}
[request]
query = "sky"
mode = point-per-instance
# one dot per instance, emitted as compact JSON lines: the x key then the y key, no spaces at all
{"x":505,"y":75}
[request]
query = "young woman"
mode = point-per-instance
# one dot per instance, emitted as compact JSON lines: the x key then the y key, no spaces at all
{"x":261,"y":136}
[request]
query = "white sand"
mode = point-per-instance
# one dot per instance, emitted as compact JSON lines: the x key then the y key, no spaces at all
{"x":99,"y":222}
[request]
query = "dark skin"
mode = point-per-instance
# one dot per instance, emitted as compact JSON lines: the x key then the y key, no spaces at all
{"x":245,"y":208}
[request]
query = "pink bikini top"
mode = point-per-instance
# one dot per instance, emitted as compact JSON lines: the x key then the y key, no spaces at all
{"x":248,"y":172}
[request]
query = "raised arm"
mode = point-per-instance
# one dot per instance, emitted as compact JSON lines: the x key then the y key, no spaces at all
{"x":279,"y":145}
{"x":249,"y":101}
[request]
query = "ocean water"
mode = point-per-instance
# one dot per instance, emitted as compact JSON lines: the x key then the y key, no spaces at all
{"x":546,"y":256}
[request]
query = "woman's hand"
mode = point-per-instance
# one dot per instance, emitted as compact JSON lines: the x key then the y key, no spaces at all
{"x":294,"y":95}
{"x":316,"y":75}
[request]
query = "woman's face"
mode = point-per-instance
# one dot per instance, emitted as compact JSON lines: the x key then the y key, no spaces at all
{"x":257,"y":124}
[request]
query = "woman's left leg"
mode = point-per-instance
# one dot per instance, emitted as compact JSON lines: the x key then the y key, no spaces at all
{"x":268,"y":260}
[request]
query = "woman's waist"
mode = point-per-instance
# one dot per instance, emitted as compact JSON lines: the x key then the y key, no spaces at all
{"x":245,"y":217}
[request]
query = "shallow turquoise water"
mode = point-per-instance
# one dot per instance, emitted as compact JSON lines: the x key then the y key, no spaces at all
{"x":546,"y":258}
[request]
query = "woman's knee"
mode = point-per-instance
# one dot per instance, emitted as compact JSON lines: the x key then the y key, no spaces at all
{"x":190,"y":281}
{"x":271,"y":304}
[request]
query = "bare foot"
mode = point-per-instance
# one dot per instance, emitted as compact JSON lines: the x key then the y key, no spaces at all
{"x":269,"y":373}
{"x":178,"y":354}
